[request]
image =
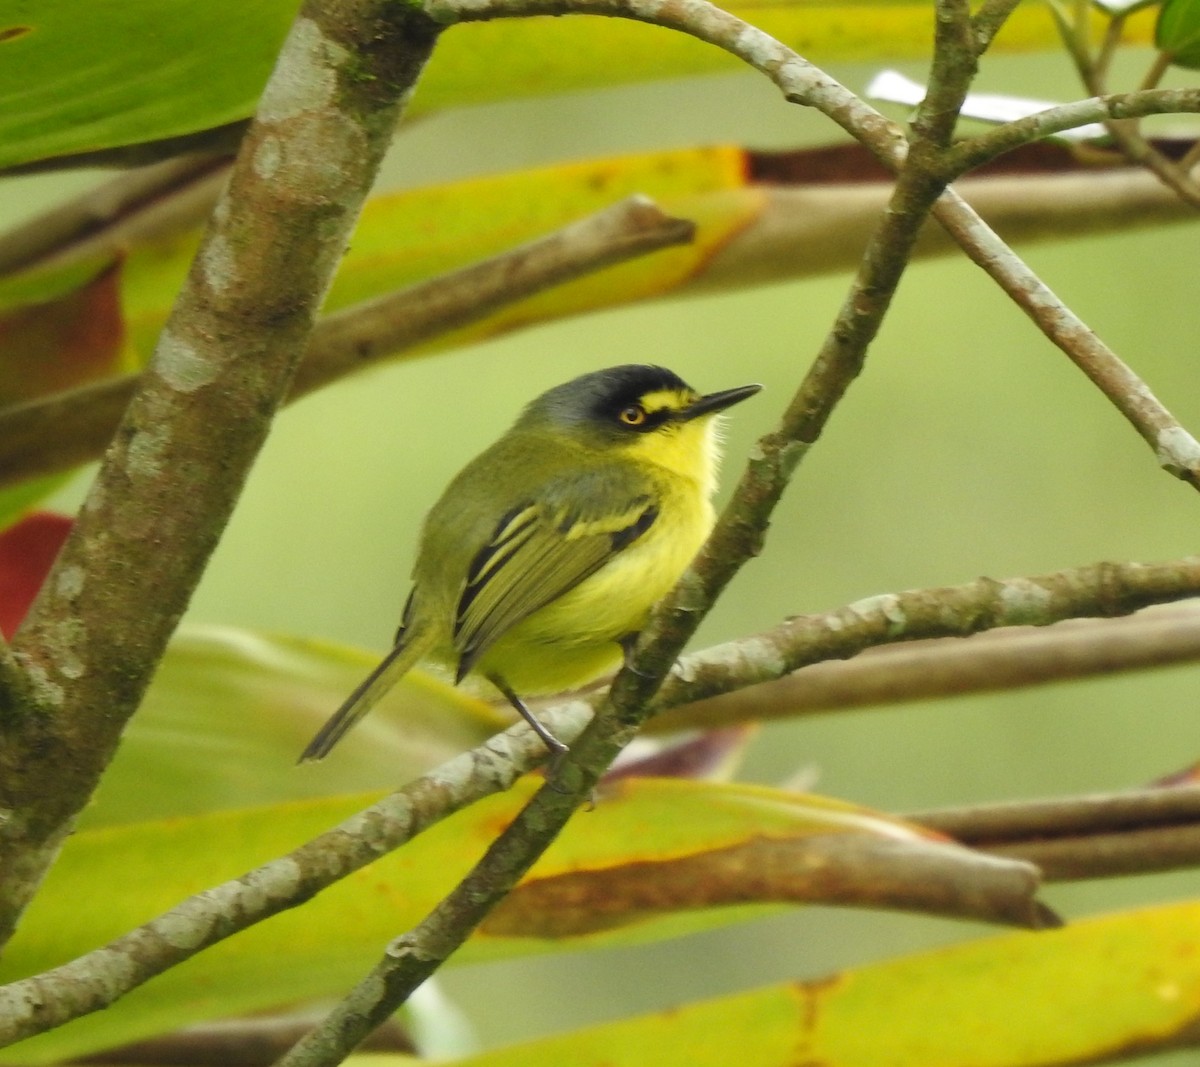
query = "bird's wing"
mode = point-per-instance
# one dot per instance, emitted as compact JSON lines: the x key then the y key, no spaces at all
{"x":539,"y":551}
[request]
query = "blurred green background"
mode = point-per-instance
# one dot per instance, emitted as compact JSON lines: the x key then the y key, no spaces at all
{"x":969,"y":446}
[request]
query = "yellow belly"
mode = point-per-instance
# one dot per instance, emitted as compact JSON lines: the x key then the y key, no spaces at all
{"x":573,"y":640}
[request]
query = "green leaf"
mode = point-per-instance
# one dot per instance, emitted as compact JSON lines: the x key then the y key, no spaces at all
{"x":75,"y":77}
{"x":640,"y":833}
{"x":1123,"y":983}
{"x":79,"y":77}
{"x":1177,"y":32}
{"x":230,"y":710}
{"x":18,"y":500}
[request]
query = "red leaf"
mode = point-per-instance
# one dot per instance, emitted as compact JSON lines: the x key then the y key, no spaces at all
{"x":62,"y":343}
{"x":26,"y":552}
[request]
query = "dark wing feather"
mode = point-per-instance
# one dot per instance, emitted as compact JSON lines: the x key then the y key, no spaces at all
{"x":538,"y":552}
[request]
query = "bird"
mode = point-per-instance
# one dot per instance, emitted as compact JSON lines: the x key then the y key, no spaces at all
{"x":542,"y":559}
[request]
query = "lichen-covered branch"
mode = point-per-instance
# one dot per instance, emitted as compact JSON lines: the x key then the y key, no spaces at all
{"x":177,"y":463}
{"x":975,"y":151}
{"x":1101,"y":589}
{"x":932,"y":667}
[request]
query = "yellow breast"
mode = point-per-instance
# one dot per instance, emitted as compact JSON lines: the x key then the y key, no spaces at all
{"x":573,"y":640}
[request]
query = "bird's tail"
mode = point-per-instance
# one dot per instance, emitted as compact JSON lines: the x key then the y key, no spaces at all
{"x":411,"y":645}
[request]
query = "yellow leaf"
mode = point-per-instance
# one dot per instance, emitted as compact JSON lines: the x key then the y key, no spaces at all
{"x":1118,"y":984}
{"x":636,"y":831}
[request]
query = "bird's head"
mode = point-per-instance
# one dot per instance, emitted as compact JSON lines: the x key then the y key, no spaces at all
{"x":645,"y":412}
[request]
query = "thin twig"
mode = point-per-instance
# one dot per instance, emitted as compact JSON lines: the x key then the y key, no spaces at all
{"x":1123,"y":131}
{"x":975,"y":151}
{"x":988,"y":19}
{"x":800,"y":81}
{"x":1177,"y":451}
{"x":1137,"y":149}
{"x":1108,"y":46}
{"x":1158,"y":68}
{"x":1189,"y":160}
{"x":105,"y":220}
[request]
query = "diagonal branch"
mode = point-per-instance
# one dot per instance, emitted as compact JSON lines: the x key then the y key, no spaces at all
{"x":108,"y":219}
{"x":62,"y":431}
{"x":1177,"y":451}
{"x":1101,"y":589}
{"x":101,"y":977}
{"x":984,"y":147}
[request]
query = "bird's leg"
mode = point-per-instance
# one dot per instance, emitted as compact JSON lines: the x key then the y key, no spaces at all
{"x":557,"y":749}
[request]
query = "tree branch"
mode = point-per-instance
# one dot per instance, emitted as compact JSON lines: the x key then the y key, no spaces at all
{"x":1124,"y":131}
{"x":62,"y":431}
{"x":106,"y":220}
{"x":799,"y":80}
{"x":353,"y":338}
{"x":989,"y":18}
{"x":1177,"y":451}
{"x":1077,"y":838}
{"x":955,"y":64}
{"x":928,"y":668}
{"x":1100,"y":589}
{"x":175,"y":468}
{"x":975,"y":151}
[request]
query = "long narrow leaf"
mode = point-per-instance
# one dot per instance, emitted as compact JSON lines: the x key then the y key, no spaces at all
{"x":1097,"y":991}
{"x":79,"y":77}
{"x":664,"y":856}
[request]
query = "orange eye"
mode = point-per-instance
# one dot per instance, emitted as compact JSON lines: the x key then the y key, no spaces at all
{"x":634,"y":415}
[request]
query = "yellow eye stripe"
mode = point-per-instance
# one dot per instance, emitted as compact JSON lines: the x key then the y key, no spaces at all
{"x":670,"y":400}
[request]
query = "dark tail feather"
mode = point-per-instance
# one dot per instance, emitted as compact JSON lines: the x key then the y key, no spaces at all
{"x":395,"y":665}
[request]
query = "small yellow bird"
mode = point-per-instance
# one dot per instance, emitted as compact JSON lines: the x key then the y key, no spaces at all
{"x":542,"y":559}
